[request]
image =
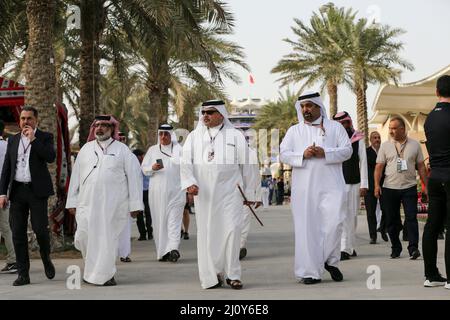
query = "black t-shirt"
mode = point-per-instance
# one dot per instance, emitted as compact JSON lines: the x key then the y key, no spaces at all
{"x":437,"y":132}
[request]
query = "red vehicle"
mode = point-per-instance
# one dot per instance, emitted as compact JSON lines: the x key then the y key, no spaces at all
{"x":12,"y":98}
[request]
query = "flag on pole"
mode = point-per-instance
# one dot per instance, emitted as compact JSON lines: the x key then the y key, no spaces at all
{"x":252,"y":81}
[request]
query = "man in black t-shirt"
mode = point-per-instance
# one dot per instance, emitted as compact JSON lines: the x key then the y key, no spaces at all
{"x":437,"y":131}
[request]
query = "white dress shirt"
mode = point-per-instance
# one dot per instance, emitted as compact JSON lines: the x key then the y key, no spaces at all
{"x":23,"y":160}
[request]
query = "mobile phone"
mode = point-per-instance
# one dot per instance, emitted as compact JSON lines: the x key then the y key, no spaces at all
{"x":160,"y":162}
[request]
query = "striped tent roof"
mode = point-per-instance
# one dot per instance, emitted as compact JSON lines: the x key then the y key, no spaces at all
{"x":11,"y":93}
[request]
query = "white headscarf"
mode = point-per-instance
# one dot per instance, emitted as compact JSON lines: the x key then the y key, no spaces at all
{"x":219,"y":105}
{"x":168,"y":128}
{"x":313,"y":97}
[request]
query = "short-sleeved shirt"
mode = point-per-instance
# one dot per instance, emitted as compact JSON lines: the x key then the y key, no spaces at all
{"x":388,"y":154}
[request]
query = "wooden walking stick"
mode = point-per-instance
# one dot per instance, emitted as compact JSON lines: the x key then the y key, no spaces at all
{"x":249,"y":206}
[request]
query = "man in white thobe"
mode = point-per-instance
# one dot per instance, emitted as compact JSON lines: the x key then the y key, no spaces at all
{"x":215,"y":161}
{"x":315,"y":149}
{"x":105,"y":188}
{"x":165,"y":196}
{"x":356,"y":184}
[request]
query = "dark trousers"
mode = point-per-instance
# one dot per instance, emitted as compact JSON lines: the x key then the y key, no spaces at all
{"x":280,"y":197}
{"x":371,"y":207}
{"x":438,"y":216}
{"x":145,"y":227}
{"x":23,"y":203}
{"x":392,"y":198}
{"x":270,"y":196}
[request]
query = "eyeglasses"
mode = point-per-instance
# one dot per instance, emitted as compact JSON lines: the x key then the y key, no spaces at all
{"x":208,"y":112}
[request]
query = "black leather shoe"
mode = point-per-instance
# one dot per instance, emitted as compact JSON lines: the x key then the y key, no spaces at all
{"x":335,"y":273}
{"x":395,"y":254}
{"x":174,"y":256}
{"x":373,"y":241}
{"x":21,"y":281}
{"x":111,"y":282}
{"x":165,"y":257}
{"x":354,"y":254}
{"x":150,"y":236}
{"x":344,"y":256}
{"x":310,"y":281}
{"x":49,"y":268}
{"x":242,"y":253}
{"x":414,"y":255}
{"x":384,"y":236}
{"x":142,"y":238}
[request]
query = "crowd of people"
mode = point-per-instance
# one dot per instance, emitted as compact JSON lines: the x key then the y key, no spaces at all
{"x":217,"y":170}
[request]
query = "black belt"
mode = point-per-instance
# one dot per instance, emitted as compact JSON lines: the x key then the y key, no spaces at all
{"x":27,"y":184}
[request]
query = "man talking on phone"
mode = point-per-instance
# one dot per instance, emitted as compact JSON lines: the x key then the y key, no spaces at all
{"x":26,"y":181}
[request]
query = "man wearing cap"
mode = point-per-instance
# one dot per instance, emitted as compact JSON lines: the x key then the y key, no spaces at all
{"x":356,"y":183}
{"x":215,"y":161}
{"x":105,"y":188}
{"x":316,"y":148}
{"x":165,"y":196}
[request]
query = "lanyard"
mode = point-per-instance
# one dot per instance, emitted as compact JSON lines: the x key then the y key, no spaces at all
{"x":23,"y":145}
{"x":402,"y":148}
{"x":106,"y":149}
{"x":171,"y":150}
{"x":211,"y":139}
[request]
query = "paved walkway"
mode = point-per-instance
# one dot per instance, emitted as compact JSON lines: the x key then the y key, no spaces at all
{"x":267,"y":272}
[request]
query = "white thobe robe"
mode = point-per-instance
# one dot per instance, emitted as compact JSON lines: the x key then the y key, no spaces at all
{"x":348,"y":239}
{"x":255,"y":181}
{"x":218,"y":205}
{"x":125,"y":240}
{"x":104,"y":188}
{"x":165,"y":197}
{"x":317,"y":194}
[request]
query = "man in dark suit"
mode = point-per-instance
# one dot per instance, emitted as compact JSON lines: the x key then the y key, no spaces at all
{"x":25,"y":179}
{"x":369,"y":199}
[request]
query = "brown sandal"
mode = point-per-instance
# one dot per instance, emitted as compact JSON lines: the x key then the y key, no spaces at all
{"x":234,"y":284}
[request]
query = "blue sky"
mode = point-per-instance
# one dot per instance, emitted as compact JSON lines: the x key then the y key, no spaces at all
{"x":261,"y":25}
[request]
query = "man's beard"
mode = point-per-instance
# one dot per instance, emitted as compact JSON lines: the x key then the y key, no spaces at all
{"x":103,"y":137}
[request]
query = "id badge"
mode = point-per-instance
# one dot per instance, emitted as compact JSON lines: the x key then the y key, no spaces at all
{"x":401,"y":165}
{"x":404,"y":165}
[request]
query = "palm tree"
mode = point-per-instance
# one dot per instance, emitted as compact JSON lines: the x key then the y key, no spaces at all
{"x":316,"y":57}
{"x":373,"y":57}
{"x":151,"y":22}
{"x":40,"y":75}
{"x":279,"y":115}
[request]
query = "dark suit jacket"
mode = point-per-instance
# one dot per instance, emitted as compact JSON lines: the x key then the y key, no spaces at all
{"x":42,"y":152}
{"x":371,"y":163}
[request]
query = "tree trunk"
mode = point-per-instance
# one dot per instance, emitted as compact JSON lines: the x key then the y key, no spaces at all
{"x":361,"y":102}
{"x":92,"y":24}
{"x":164,"y":114}
{"x":40,"y":76}
{"x":154,"y":95}
{"x":333,"y":96}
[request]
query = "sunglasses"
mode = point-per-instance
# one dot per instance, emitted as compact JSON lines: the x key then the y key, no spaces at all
{"x":208,"y":112}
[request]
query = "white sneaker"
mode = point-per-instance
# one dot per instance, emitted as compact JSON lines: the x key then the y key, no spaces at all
{"x":435,"y":282}
{"x":447,"y":285}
